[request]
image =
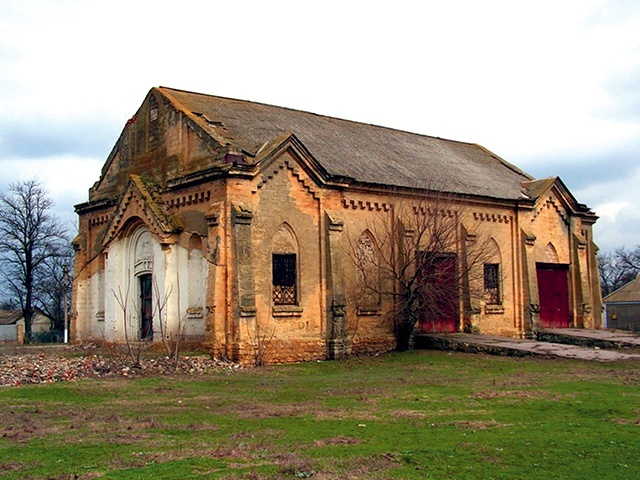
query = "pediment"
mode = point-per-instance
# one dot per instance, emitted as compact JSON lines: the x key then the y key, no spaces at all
{"x":553,"y":193}
{"x":271,"y":153}
{"x":140,"y":200}
{"x":286,"y":153}
{"x":551,"y":203}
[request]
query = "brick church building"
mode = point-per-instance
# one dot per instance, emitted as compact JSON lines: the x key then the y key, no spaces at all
{"x":233,"y":224}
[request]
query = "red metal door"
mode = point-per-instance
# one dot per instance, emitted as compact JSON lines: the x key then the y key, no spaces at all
{"x":440,"y":289}
{"x":553,"y":288}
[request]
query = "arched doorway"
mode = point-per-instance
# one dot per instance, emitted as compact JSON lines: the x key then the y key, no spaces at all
{"x":143,"y":273}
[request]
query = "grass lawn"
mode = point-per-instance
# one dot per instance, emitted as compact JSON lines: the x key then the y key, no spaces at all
{"x":419,"y":414}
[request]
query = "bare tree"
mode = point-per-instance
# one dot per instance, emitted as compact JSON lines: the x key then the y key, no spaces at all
{"x":617,"y":269}
{"x":160,"y":312}
{"x":630,"y":258}
{"x":29,"y":236}
{"x":52,"y":289}
{"x":418,"y":256}
{"x":129,"y":323}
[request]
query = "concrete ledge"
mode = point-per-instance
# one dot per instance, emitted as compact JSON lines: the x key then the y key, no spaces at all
{"x":514,"y":347}
{"x":606,"y":339}
{"x":434,"y":342}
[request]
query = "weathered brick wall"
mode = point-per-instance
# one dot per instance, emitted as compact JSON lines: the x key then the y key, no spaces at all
{"x":282,"y":350}
{"x":370,"y":345}
{"x":283,"y":205}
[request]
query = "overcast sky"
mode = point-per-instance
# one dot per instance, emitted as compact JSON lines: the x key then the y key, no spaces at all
{"x":551,"y":86}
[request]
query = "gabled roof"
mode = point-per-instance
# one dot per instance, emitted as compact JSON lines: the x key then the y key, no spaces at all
{"x":154,"y":213}
{"x":627,"y":293}
{"x":535,"y":189}
{"x":362,"y":152}
{"x":9,"y":317}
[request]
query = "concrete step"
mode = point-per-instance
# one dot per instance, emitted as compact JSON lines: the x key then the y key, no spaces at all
{"x":607,"y":339}
{"x":472,"y":343}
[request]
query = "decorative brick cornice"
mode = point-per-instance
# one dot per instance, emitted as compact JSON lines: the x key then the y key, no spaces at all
{"x":423,"y":210}
{"x":99,"y":220}
{"x":365,"y":205}
{"x":192,"y":198}
{"x":491,"y":217}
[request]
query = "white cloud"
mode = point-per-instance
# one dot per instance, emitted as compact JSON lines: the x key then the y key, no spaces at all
{"x":610,"y":210}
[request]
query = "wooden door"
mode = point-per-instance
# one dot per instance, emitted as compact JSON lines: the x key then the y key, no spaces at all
{"x":146,"y":308}
{"x":440,"y":291}
{"x":553,"y":289}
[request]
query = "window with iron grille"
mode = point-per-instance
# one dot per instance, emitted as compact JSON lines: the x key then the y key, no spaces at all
{"x":492,"y":283}
{"x":284,"y":278}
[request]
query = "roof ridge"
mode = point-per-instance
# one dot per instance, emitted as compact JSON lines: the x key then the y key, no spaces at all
{"x":330,"y":117}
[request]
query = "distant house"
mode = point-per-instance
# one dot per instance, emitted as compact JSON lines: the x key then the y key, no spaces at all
{"x":622,"y":307}
{"x":229,"y":223}
{"x":12,"y":325}
{"x":8,"y":325}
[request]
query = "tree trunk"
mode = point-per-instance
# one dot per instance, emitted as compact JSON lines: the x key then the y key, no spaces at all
{"x":28,"y":317}
{"x":403,"y":332}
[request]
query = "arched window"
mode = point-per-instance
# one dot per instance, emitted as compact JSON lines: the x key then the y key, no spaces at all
{"x":550,"y":254}
{"x":492,"y":274}
{"x":284,"y":267}
{"x":368,"y":273}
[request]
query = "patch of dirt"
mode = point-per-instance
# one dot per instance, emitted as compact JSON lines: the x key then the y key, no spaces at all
{"x":22,"y":427}
{"x":344,"y":414}
{"x":16,"y":370}
{"x":411,"y":414}
{"x":622,"y":421}
{"x":340,"y":440}
{"x":516,"y":394}
{"x":268,"y":410}
{"x":480,"y":424}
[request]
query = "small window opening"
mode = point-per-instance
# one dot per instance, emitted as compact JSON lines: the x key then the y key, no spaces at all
{"x":492,"y":283}
{"x":284,"y":278}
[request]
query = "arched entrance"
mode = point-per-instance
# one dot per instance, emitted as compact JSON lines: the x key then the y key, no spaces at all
{"x":143,"y":273}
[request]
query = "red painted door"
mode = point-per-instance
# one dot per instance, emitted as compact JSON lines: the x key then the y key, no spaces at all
{"x":440,"y":290}
{"x":553,"y":288}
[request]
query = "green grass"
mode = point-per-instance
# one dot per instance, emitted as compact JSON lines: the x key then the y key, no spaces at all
{"x":414,"y":415}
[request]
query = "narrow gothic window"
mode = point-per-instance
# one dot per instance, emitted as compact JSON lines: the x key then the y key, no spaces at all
{"x":284,"y":278}
{"x":368,"y":273}
{"x":154,"y":132}
{"x":492,"y":283}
